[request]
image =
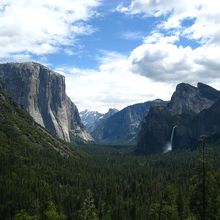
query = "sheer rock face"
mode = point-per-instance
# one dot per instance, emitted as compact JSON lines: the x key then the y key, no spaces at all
{"x":190,"y":110}
{"x":42,"y":93}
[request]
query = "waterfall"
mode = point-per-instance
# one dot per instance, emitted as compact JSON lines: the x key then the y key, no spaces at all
{"x":169,"y":145}
{"x":171,"y":138}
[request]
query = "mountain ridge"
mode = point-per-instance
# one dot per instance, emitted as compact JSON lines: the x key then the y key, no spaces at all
{"x":123,"y":126}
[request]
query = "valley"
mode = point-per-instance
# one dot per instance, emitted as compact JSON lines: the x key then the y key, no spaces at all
{"x":108,"y":183}
{"x":160,"y":176}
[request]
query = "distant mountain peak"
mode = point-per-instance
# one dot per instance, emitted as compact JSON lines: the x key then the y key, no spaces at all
{"x":110,"y":112}
{"x":113,"y":109}
{"x":91,"y":119}
{"x":158,"y":100}
{"x":185,"y":87}
{"x":208,"y":91}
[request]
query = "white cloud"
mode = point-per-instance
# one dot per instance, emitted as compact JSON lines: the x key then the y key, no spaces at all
{"x":158,"y":7}
{"x":131,"y":35}
{"x":161,"y":56}
{"x":164,"y":61}
{"x":112,"y":85}
{"x":206,"y":15}
{"x":42,"y":26}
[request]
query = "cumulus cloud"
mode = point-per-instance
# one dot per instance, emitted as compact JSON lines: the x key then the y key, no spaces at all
{"x":42,"y":26}
{"x":161,"y":57}
{"x":111,"y":85}
{"x":164,"y":61}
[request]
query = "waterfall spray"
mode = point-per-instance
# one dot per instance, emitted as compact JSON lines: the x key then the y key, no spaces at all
{"x":169,"y":145}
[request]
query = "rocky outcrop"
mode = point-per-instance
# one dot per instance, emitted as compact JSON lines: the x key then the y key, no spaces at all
{"x":122,"y":127}
{"x":186,"y":111}
{"x":188,"y":98}
{"x":109,"y":113}
{"x":42,"y":93}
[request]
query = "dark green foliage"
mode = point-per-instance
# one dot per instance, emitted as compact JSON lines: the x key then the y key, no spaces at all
{"x":204,"y":201}
{"x":52,"y":214}
{"x":88,"y":210}
{"x":106,"y":185}
{"x":22,"y":215}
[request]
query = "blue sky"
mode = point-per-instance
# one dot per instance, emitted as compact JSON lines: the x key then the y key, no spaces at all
{"x":114,"y":31}
{"x":115,"y":53}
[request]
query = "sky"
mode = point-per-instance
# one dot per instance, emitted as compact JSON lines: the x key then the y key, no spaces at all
{"x":115,"y":53}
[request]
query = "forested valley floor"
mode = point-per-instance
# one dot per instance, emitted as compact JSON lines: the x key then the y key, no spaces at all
{"x":109,"y":183}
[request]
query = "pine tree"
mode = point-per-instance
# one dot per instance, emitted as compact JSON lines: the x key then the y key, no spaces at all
{"x":88,"y":210}
{"x":52,"y":214}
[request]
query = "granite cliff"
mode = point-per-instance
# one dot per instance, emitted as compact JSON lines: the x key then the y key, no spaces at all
{"x":42,"y":93}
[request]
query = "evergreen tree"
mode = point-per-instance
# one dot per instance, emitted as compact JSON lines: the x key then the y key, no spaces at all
{"x":204,"y":202}
{"x":52,"y":214}
{"x":88,"y":210}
